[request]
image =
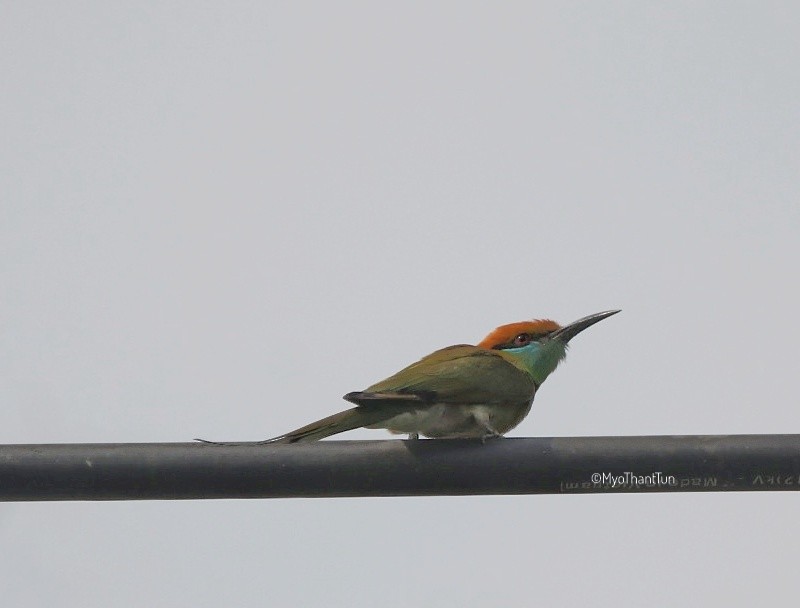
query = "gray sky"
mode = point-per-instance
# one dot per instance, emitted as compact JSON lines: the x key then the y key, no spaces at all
{"x":217,"y":218}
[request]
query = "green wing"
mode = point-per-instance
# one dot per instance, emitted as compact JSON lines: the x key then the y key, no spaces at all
{"x":460,"y":375}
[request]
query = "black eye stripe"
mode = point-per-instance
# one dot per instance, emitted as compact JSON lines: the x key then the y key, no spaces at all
{"x":513,"y":344}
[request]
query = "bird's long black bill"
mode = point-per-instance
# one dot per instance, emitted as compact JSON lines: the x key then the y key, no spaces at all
{"x":566,"y":333}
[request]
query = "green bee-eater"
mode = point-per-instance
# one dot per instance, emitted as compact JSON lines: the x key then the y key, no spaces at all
{"x":460,"y":391}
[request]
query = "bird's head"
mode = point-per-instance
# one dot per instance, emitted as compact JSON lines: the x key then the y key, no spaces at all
{"x":540,"y":345}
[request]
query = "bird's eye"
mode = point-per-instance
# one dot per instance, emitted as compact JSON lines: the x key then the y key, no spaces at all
{"x":522,"y":340}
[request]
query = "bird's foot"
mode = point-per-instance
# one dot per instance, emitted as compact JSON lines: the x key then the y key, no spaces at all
{"x":413,"y":436}
{"x":490,"y":434}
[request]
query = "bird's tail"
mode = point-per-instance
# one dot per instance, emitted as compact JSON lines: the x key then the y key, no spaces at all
{"x":337,"y":423}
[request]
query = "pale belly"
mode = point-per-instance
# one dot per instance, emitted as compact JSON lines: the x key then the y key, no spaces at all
{"x":457,"y":421}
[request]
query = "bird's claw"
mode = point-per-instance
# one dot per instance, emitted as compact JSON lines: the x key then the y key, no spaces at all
{"x":490,"y":434}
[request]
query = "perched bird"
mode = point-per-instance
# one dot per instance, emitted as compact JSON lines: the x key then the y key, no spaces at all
{"x":461,"y":391}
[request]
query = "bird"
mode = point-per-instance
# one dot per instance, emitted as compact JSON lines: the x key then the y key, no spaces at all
{"x":458,"y":392}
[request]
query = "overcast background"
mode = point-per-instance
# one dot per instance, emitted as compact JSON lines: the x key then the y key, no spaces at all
{"x":218,"y":218}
